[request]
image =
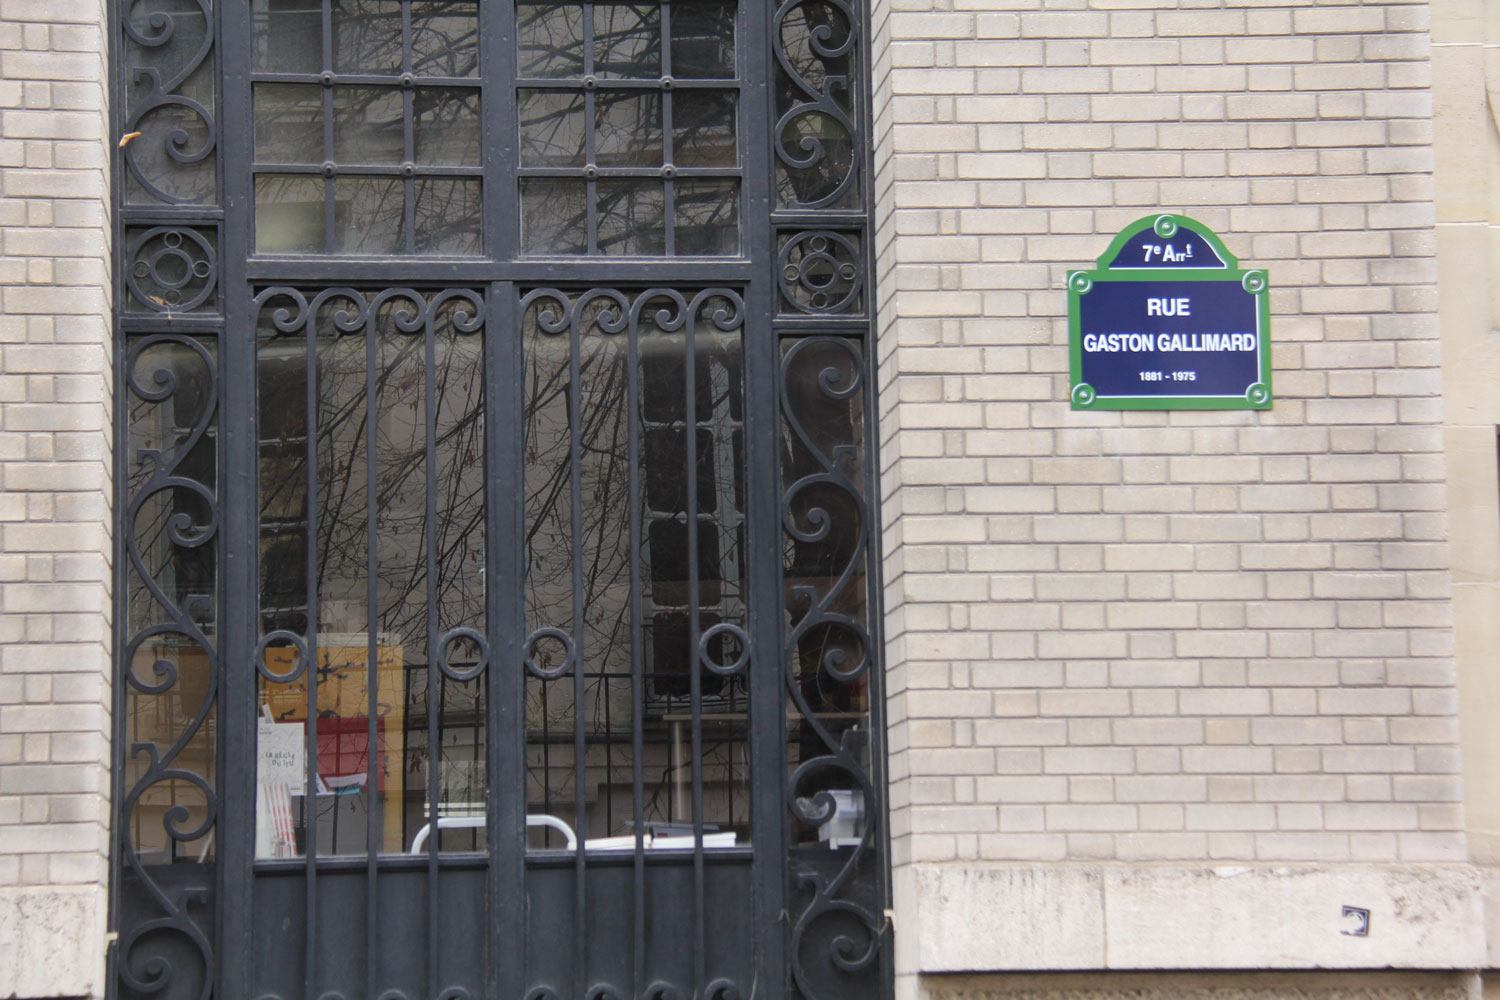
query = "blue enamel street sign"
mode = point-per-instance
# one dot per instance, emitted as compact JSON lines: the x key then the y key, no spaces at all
{"x":1168,"y":321}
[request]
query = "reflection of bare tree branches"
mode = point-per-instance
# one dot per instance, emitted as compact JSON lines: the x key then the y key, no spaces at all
{"x":370,"y":126}
{"x":402,"y":525}
{"x":586,"y":370}
{"x":631,"y":216}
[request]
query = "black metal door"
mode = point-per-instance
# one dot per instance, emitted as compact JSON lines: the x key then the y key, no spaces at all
{"x":501,"y":625}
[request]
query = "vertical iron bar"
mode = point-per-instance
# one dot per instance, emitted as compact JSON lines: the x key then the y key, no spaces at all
{"x":669,"y":200}
{"x":238,"y":493}
{"x":434,"y":680}
{"x":756,"y":62}
{"x":505,"y":707}
{"x":580,"y":747}
{"x":505,"y":792}
{"x":637,"y":663}
{"x":120,"y":832}
{"x":408,"y":137}
{"x":328,"y":182}
{"x":374,"y":807}
{"x":498,"y":118}
{"x":310,"y":791}
{"x":695,"y":680}
{"x":591,"y":186}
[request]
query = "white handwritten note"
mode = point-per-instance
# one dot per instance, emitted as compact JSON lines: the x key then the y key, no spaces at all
{"x":282,"y":755}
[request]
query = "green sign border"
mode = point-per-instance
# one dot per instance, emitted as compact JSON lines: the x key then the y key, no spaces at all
{"x":1081,"y":395}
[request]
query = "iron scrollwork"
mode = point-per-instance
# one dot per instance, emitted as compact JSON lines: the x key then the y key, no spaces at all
{"x":826,"y":518}
{"x":815,"y":138}
{"x":177,"y":511}
{"x":169,"y":115}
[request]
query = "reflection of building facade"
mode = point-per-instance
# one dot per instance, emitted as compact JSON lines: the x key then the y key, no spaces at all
{"x":459,"y":505}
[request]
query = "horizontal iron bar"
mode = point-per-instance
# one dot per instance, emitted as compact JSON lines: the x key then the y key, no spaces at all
{"x":570,"y":271}
{"x":624,"y":83}
{"x":367,"y":79}
{"x":368,"y":170}
{"x":678,"y":172}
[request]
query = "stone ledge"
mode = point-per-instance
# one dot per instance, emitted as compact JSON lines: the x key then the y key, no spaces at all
{"x":1034,"y":917}
{"x":52,"y":942}
{"x":1307,"y":985}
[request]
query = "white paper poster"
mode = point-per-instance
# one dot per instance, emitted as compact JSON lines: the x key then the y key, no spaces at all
{"x":282,"y":755}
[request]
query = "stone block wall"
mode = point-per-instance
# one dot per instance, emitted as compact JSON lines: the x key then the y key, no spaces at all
{"x":55,"y":497}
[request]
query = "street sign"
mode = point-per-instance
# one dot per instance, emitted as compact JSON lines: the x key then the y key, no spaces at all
{"x":1169,"y":321}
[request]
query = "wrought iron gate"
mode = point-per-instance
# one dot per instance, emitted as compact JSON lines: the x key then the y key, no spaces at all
{"x":497,"y":579}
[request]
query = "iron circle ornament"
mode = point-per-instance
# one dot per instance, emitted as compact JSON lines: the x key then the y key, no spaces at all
{"x":172,"y":269}
{"x":1168,"y":320}
{"x":445,"y":646}
{"x":734,"y":634}
{"x":291,"y":639}
{"x":820,"y":272}
{"x":547,"y":672}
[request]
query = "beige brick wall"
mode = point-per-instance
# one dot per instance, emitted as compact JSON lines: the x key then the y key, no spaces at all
{"x":1145,"y":636}
{"x":55,"y":496}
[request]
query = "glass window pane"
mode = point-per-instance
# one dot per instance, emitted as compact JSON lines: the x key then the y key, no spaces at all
{"x":820,"y":382}
{"x":369,"y":215}
{"x":707,"y":217}
{"x":554,"y":216}
{"x":703,"y":131}
{"x":367,"y":36}
{"x":448,"y":216}
{"x":703,"y":41}
{"x":627,"y":128}
{"x":549,"y":38}
{"x":445,"y":38}
{"x":367,"y":125}
{"x":552,"y":128}
{"x":632,"y":217}
{"x":288,"y":123}
{"x":288,"y":36}
{"x":373,"y":601}
{"x":655,"y":632}
{"x":446,"y":127}
{"x":288,"y":213}
{"x":627,"y":40}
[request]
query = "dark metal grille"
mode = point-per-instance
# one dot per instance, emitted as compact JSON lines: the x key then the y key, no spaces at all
{"x":503,"y":625}
{"x":628,"y":129}
{"x":367,"y":136}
